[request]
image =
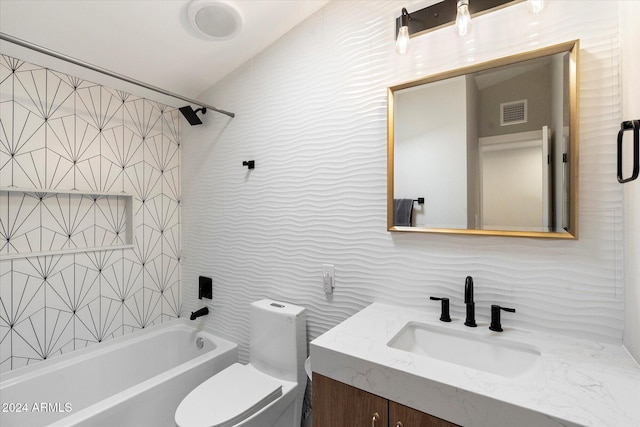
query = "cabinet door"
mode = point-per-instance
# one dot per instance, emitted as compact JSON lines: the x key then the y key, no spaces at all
{"x":409,"y":417}
{"x":339,"y":405}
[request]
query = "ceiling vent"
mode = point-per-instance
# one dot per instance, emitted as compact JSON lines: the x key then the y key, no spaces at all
{"x":513,"y":113}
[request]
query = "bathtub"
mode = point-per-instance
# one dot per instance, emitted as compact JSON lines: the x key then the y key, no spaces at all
{"x":135,"y":380}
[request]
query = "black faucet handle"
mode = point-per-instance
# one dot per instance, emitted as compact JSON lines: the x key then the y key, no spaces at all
{"x":444,"y":315}
{"x":495,"y":317}
{"x":468,"y":290}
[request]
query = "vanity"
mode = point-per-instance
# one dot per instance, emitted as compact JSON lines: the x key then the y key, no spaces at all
{"x":456,"y":165}
{"x":392,"y":366}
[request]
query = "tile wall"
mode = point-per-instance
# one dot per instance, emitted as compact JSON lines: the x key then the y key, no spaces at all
{"x":311,"y":111}
{"x":77,"y":147}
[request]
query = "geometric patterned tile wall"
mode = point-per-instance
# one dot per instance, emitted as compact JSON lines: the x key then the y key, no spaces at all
{"x":59,"y":132}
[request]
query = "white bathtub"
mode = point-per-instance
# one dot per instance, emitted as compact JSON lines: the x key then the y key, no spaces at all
{"x":135,"y":380}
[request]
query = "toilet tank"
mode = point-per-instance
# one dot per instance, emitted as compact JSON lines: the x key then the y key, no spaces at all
{"x":278,"y":339}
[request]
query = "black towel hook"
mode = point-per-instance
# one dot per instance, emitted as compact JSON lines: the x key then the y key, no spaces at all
{"x":251,"y":164}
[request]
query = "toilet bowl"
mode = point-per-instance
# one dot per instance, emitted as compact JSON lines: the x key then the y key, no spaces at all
{"x":266,"y":392}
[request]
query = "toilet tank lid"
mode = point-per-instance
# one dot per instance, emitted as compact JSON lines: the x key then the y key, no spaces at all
{"x":279,"y":306}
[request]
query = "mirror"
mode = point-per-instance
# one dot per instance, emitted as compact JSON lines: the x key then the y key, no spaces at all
{"x":487,"y":149}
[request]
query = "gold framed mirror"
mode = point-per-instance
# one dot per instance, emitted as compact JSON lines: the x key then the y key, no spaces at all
{"x":487,"y":149}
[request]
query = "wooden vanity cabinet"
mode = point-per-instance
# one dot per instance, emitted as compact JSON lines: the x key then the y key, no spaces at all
{"x":336,"y":404}
{"x":410,"y":417}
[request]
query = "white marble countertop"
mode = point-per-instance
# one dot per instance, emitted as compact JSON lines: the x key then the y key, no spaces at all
{"x":581,"y":383}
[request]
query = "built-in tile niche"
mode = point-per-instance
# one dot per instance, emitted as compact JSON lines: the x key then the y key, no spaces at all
{"x":52,"y":222}
{"x":90,"y":244}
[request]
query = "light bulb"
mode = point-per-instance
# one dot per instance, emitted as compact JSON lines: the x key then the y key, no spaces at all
{"x":536,"y":6}
{"x":402,"y":42}
{"x":463,"y":18}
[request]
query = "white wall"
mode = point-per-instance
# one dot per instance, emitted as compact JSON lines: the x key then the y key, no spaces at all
{"x":631,"y":111}
{"x":311,"y":110}
{"x":430,"y":141}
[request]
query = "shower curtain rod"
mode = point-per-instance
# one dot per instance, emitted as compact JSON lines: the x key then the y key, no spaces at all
{"x":49,"y":52}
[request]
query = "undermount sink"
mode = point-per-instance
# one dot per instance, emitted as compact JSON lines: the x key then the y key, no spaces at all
{"x":468,"y":349}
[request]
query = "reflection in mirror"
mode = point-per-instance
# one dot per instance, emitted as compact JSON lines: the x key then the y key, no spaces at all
{"x":491,"y":148}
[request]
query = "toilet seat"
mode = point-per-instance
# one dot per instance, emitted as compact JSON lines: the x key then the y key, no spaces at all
{"x":228,"y":397}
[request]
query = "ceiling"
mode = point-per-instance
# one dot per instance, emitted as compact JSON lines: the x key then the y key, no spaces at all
{"x":147,"y":40}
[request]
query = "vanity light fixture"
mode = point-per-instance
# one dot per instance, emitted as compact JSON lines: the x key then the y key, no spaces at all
{"x":441,"y":14}
{"x":402,"y":39}
{"x":463,"y":18}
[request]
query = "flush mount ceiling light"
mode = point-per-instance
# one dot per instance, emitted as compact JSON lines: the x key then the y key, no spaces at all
{"x":214,"y":19}
{"x":441,"y":14}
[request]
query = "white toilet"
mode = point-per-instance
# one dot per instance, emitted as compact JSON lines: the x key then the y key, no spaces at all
{"x":268,"y":392}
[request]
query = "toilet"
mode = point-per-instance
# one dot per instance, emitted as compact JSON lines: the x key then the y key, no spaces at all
{"x":267,"y":392}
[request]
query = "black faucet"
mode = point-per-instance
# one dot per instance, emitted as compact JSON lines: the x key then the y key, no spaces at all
{"x":495,"y":317}
{"x":202,"y":312}
{"x":468,"y":300}
{"x":444,"y":314}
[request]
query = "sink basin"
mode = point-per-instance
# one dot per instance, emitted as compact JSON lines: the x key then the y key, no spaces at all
{"x":468,"y":349}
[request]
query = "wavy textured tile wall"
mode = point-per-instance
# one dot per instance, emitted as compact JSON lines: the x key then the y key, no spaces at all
{"x":311,"y":110}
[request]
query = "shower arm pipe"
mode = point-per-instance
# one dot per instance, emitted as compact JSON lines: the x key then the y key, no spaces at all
{"x":54,"y":54}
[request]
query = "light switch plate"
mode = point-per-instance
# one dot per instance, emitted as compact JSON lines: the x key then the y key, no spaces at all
{"x":328,"y":278}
